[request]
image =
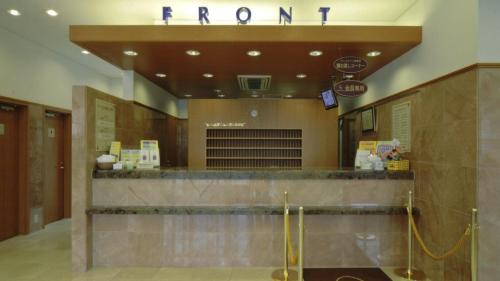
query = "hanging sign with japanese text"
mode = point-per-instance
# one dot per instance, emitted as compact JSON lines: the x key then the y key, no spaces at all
{"x":350,"y":88}
{"x":350,"y":64}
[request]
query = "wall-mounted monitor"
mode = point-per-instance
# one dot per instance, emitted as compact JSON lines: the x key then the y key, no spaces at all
{"x":329,"y":99}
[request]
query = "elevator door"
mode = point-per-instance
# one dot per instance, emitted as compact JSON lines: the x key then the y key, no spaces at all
{"x":53,"y":188}
{"x":9,"y":191}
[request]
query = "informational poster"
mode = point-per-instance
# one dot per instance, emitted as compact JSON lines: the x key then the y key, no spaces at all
{"x":401,"y":125}
{"x":105,"y":114}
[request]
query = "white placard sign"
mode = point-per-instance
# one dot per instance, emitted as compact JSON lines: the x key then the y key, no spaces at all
{"x":105,"y":119}
{"x":401,"y":125}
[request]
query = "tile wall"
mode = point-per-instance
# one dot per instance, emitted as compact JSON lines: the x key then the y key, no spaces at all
{"x":246,"y":240}
{"x":488,"y":173}
{"x":133,"y":123}
{"x":443,"y":156}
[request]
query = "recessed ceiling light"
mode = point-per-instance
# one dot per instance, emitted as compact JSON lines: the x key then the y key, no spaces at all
{"x":161,"y":75}
{"x":193,"y":53}
{"x":52,"y":13}
{"x":131,"y":53}
{"x":254,"y":53}
{"x":374,"y":53}
{"x":301,"y":75}
{"x":188,"y":95}
{"x":288,"y":96}
{"x":85,"y":52}
{"x":315,"y":53}
{"x":14,"y":12}
{"x":221,"y":95}
{"x":208,"y":75}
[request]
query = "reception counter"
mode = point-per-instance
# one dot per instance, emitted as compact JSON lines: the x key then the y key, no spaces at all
{"x":178,"y":217}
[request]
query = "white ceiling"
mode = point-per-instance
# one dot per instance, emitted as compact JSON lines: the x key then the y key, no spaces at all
{"x":35,"y":25}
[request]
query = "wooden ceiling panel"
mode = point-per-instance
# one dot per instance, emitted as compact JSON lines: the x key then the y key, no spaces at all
{"x":162,"y":49}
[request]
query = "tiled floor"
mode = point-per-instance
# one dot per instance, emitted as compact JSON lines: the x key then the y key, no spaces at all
{"x":45,"y":256}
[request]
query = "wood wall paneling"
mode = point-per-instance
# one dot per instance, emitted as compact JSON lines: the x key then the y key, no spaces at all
{"x":319,"y":126}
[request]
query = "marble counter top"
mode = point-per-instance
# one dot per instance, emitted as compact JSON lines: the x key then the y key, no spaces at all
{"x":253,"y":174}
{"x":253,"y":210}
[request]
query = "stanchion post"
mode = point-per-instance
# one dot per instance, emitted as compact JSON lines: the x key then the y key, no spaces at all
{"x":473,"y":245}
{"x":286,"y":200}
{"x":285,"y":246}
{"x":301,"y":244}
{"x":410,"y":235}
{"x":410,"y":273}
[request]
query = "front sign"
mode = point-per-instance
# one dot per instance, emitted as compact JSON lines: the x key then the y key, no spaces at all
{"x":350,"y":88}
{"x":350,"y":64}
{"x":243,"y":15}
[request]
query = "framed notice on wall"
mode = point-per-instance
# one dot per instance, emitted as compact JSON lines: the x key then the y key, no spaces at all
{"x":105,"y":114}
{"x":401,"y":125}
{"x":368,"y":120}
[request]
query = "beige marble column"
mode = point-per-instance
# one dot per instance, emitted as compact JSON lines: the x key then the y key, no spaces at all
{"x":488,"y":173}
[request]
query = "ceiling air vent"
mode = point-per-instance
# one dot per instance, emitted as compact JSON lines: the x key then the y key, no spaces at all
{"x":254,"y":82}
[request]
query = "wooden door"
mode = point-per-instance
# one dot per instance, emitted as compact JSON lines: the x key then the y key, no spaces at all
{"x":53,"y":187}
{"x":9,"y":186}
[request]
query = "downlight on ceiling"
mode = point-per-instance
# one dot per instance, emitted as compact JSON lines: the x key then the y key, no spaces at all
{"x":288,"y":96}
{"x":188,"y":95}
{"x":52,"y":13}
{"x":254,"y":53}
{"x":374,"y":54}
{"x":193,"y":53}
{"x":14,"y":12}
{"x":315,"y":53}
{"x":208,"y":75}
{"x":130,"y":53}
{"x":301,"y":76}
{"x":85,"y":52}
{"x":161,"y":75}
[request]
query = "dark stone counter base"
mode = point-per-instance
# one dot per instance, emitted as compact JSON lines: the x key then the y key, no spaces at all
{"x":255,"y":210}
{"x":254,"y":174}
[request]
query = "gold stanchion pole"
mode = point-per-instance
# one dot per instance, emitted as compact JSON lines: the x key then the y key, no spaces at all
{"x":410,"y":235}
{"x":285,"y":274}
{"x":473,"y":245}
{"x":285,"y":246}
{"x":410,"y":273}
{"x":301,"y":244}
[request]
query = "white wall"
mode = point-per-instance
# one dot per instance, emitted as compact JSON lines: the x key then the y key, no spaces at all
{"x":449,"y":43}
{"x":31,"y":72}
{"x":150,"y":94}
{"x":489,"y":31}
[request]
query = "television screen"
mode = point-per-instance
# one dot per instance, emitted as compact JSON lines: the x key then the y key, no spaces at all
{"x":329,"y":99}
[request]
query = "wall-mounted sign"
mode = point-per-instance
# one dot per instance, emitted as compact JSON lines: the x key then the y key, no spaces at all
{"x":222,"y":124}
{"x":350,"y":64}
{"x":243,"y":15}
{"x":401,"y":125}
{"x":350,"y":88}
{"x":51,"y":132}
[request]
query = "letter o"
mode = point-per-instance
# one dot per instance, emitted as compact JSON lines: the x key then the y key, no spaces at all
{"x":248,"y":12}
